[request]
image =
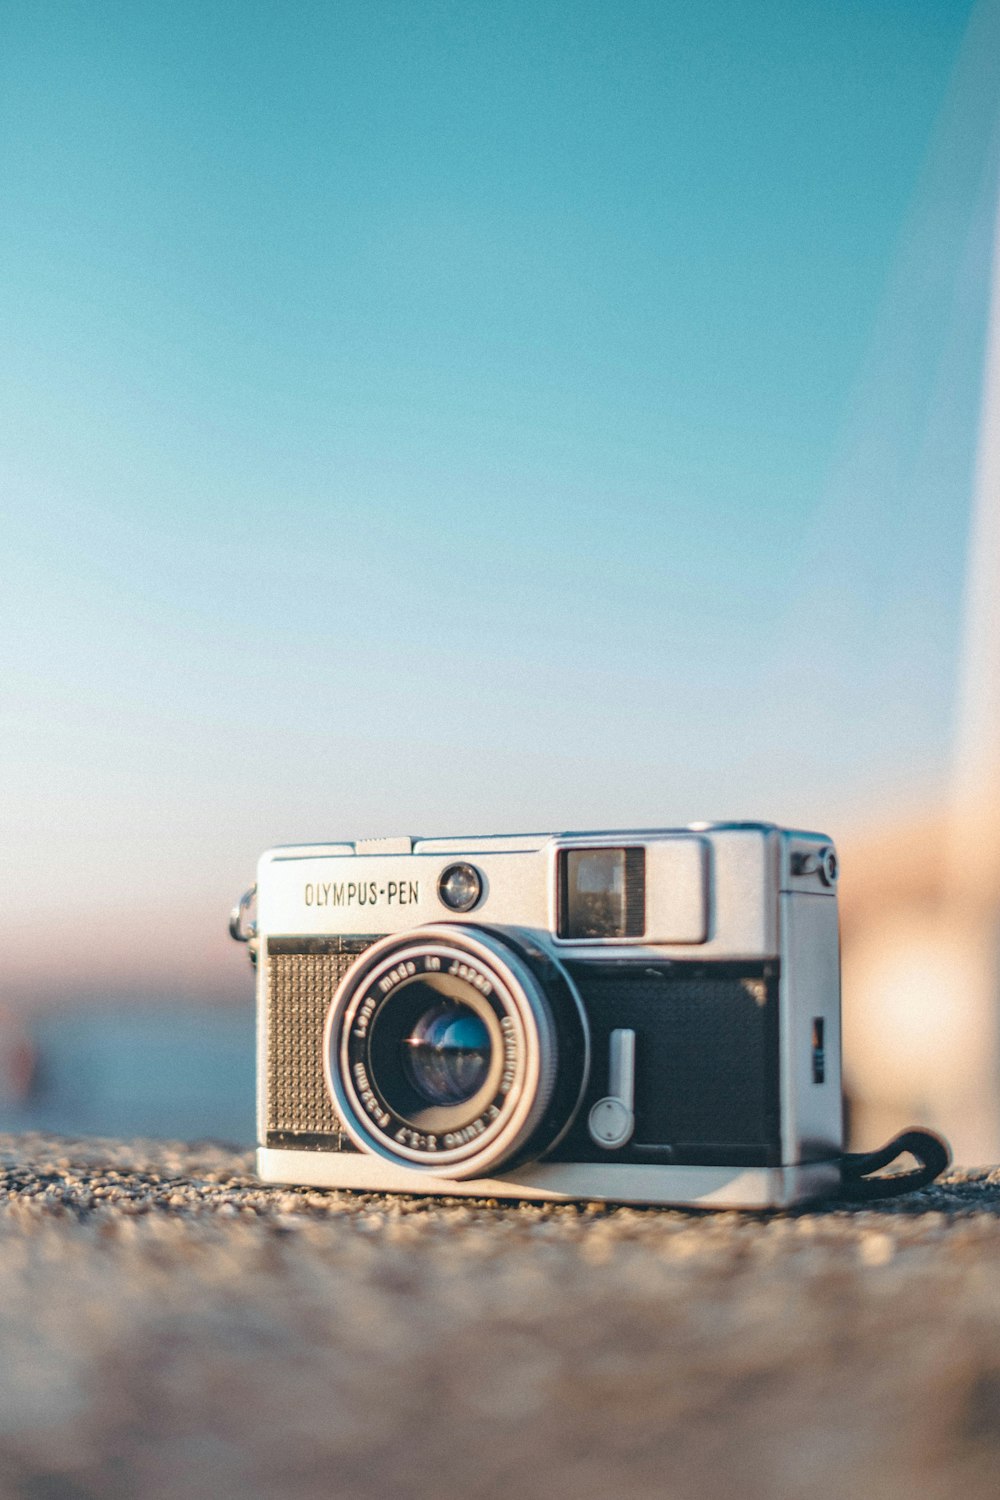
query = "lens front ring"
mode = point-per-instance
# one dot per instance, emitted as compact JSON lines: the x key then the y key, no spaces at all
{"x":369,"y":1013}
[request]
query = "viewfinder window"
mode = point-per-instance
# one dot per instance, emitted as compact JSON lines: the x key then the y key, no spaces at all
{"x":602,"y":893}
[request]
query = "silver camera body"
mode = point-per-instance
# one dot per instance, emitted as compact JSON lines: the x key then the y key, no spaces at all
{"x":644,"y":1017}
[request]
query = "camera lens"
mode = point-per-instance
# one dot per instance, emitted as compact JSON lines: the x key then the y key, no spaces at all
{"x":447,"y":1054}
{"x":455,"y":1050}
{"x":460,"y":887}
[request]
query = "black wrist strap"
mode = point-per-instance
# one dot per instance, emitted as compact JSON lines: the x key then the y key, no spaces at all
{"x":859,"y":1186}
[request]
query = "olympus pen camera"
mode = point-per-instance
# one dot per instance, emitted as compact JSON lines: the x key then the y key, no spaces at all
{"x":648,"y":1017}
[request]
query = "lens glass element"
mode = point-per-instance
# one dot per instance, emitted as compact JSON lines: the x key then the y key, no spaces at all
{"x":446,"y":1056}
{"x":432,"y":1049}
{"x":460,"y":887}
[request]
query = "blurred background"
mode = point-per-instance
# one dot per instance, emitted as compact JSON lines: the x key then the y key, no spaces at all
{"x":449,"y":417}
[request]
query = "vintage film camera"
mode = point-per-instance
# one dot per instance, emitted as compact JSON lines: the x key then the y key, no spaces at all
{"x":645,"y":1017}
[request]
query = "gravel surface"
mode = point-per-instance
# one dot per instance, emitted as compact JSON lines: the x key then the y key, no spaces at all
{"x":171,"y":1327}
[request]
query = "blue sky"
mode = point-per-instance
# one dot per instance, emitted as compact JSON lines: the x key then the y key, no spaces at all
{"x":437,"y":417}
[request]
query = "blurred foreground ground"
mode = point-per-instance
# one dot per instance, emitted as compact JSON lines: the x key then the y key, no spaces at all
{"x":171,"y":1327}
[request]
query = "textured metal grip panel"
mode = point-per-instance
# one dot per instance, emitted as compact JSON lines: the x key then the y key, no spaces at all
{"x":707,"y":1076}
{"x":300,"y":987}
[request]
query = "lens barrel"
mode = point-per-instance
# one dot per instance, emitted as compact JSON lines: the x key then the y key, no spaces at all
{"x":456,"y":1050}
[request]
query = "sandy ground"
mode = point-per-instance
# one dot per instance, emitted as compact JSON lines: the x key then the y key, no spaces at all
{"x":170,"y":1327}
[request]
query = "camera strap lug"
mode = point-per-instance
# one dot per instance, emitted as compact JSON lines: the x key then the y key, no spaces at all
{"x":242,"y":931}
{"x":859,"y":1186}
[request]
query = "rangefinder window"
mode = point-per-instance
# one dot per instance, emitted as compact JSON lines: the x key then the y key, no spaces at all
{"x":602,"y":893}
